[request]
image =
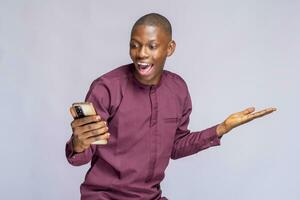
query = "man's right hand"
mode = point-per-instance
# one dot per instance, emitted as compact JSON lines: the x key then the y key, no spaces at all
{"x":87,"y":130}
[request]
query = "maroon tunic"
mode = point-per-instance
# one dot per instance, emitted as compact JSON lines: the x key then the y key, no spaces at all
{"x":148,"y":126}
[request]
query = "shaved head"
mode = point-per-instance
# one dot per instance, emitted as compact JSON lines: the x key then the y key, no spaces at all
{"x":154,"y":19}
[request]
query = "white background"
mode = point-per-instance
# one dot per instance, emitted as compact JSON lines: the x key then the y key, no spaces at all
{"x":232,"y":54}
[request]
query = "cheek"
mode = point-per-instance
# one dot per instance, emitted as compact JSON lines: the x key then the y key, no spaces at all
{"x":160,"y":57}
{"x":131,"y":53}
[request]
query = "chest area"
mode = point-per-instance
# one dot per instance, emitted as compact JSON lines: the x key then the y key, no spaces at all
{"x":147,"y":106}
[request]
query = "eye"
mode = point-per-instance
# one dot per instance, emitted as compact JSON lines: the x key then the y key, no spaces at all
{"x":152,"y":46}
{"x":134,"y":45}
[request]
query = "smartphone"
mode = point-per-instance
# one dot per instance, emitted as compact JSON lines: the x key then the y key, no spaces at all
{"x":84,"y":109}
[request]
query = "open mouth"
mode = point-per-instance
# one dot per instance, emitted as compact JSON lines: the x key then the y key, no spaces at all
{"x":144,"y":68}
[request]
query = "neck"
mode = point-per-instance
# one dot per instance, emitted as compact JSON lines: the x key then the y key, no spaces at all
{"x":153,"y":81}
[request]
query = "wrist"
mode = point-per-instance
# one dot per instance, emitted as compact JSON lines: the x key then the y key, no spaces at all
{"x":76,"y":147}
{"x":221,"y":129}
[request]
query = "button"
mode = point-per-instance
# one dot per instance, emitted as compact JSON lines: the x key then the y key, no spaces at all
{"x":152,"y":90}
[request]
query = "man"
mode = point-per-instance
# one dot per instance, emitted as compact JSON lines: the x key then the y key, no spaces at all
{"x":143,"y":112}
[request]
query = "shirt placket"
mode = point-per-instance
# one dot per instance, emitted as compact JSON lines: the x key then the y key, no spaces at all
{"x":154,"y":132}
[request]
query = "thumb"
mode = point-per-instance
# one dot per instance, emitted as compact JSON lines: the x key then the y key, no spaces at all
{"x":248,"y":110}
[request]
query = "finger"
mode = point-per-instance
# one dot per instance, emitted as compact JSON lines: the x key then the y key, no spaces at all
{"x":99,"y":137}
{"x":96,"y":132}
{"x":262,"y":113}
{"x":248,"y":110}
{"x":89,"y":127}
{"x":85,"y":120}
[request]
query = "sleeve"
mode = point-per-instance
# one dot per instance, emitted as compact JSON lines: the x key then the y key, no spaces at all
{"x":186,"y":142}
{"x":99,"y":95}
{"x":77,"y":159}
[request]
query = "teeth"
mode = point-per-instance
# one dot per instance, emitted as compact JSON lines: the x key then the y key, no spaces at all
{"x":143,"y":65}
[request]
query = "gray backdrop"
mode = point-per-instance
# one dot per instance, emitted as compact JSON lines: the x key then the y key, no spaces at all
{"x":233,"y":54}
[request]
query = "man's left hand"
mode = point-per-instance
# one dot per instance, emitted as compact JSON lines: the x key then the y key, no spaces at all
{"x":239,"y":118}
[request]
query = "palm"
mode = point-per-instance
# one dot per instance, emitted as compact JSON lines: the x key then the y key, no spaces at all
{"x":245,"y":116}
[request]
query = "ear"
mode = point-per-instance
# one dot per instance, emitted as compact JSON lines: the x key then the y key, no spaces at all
{"x":171,"y":47}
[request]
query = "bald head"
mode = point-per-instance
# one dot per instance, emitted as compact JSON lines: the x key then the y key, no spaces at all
{"x":154,"y":19}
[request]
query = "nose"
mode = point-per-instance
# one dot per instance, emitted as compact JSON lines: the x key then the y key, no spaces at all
{"x":142,"y":53}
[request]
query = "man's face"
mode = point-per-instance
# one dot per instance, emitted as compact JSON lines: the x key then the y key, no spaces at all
{"x":149,"y":48}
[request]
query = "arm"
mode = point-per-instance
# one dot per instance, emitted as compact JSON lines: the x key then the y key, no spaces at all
{"x":186,"y":142}
{"x":86,"y":130}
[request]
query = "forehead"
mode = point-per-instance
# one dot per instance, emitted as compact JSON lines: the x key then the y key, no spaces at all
{"x":149,"y":32}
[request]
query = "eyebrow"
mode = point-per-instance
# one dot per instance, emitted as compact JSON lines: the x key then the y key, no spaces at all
{"x":151,"y":41}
